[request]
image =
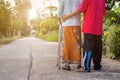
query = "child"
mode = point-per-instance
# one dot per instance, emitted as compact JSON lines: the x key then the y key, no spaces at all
{"x":94,"y":11}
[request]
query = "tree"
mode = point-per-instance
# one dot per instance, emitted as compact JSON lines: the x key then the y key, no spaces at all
{"x":51,"y":9}
{"x":110,"y":4}
{"x":22,"y":7}
{"x":34,"y":23}
{"x":4,"y":17}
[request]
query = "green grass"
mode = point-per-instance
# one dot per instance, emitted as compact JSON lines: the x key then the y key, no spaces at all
{"x":51,"y":36}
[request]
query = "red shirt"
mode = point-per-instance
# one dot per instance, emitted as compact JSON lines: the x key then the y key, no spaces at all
{"x":93,"y":10}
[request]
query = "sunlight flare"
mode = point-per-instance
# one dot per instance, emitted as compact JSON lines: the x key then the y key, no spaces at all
{"x":32,"y":14}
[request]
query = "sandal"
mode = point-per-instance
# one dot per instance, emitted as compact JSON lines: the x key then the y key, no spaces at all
{"x":66,"y":67}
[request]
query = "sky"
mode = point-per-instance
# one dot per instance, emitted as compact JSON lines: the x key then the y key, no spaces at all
{"x":38,"y":4}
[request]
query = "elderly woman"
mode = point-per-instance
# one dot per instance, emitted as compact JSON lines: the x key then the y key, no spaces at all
{"x":71,"y":33}
{"x":94,"y":11}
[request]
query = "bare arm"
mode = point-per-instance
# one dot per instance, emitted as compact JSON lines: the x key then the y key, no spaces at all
{"x":64,"y":18}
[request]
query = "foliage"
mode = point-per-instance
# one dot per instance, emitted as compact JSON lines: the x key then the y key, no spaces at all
{"x":4,"y":17}
{"x":13,"y":19}
{"x":111,"y":18}
{"x":25,"y":31}
{"x":21,"y":8}
{"x":40,"y":34}
{"x":51,"y":36}
{"x":110,"y":4}
{"x":51,"y":9}
{"x":113,"y":41}
{"x":48,"y":25}
{"x":117,"y":8}
{"x":1,"y":36}
{"x":111,"y":22}
{"x":117,"y":11}
{"x":35,"y":22}
{"x":48,"y":29}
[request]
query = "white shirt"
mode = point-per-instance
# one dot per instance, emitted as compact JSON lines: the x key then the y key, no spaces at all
{"x":67,"y":7}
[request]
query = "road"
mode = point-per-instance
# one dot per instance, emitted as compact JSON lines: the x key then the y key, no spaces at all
{"x":35,"y":59}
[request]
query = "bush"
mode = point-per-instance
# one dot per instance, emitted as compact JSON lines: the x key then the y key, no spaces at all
{"x":48,"y":29}
{"x":48,"y":25}
{"x":40,"y":34}
{"x":113,"y":40}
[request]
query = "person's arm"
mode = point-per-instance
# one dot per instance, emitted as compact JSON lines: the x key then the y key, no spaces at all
{"x":64,"y":18}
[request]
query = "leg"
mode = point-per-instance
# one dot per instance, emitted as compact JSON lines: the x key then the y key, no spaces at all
{"x":88,"y":50}
{"x":97,"y":52}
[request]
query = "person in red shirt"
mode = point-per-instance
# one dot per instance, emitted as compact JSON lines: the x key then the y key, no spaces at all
{"x":94,"y":11}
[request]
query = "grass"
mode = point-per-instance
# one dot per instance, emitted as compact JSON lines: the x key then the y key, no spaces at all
{"x":51,"y":36}
{"x":7,"y":40}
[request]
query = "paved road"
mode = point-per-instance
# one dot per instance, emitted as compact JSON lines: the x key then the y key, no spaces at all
{"x":34,"y":59}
